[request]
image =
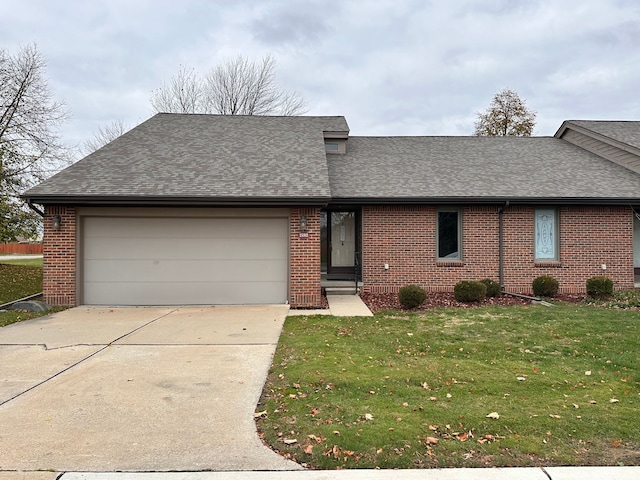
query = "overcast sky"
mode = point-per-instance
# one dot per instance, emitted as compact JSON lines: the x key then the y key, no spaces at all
{"x":398,"y":67}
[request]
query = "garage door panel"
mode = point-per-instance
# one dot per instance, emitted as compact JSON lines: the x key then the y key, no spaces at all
{"x":184,"y":248}
{"x":195,"y":270}
{"x":174,"y":261}
{"x":190,"y":293}
{"x":122,"y":227}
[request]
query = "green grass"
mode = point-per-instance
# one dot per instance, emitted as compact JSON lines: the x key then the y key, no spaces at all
{"x":414,"y":390}
{"x":18,"y":281}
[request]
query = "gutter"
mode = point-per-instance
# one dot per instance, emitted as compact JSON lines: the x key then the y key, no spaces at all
{"x":173,"y":201}
{"x":482,"y":201}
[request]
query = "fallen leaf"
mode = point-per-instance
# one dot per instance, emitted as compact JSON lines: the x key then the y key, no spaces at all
{"x":260,"y":414}
{"x":494,"y":415}
{"x":405,"y":404}
{"x":433,"y":399}
{"x":449,"y":395}
{"x":555,"y":416}
{"x":425,"y":385}
{"x":432,"y":441}
{"x":433,"y":427}
{"x":368,"y":416}
{"x":587,"y":373}
{"x":290,"y":441}
{"x":575,"y":405}
{"x":308,"y":449}
{"x":616,"y":443}
{"x":521,"y":379}
{"x":614,"y":400}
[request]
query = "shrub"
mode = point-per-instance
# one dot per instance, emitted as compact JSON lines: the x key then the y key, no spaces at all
{"x":493,"y":288}
{"x":600,"y":287}
{"x":466,"y":291}
{"x":412,"y":296}
{"x":545,"y":286}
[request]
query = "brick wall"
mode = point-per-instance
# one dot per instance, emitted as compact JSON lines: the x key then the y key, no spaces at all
{"x":304,"y":253}
{"x":405,"y":238}
{"x":588,"y":236}
{"x":59,"y":250}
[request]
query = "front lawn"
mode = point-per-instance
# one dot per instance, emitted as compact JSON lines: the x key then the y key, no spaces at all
{"x":403,"y":390}
{"x":18,"y":281}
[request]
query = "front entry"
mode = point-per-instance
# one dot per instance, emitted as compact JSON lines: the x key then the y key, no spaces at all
{"x":339,"y":243}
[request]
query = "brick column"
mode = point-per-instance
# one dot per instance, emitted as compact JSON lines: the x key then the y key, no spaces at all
{"x":59,"y":252}
{"x":304,"y":270}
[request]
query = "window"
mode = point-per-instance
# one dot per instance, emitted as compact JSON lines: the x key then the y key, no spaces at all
{"x":449,"y":234}
{"x":546,"y":233}
{"x":331,"y":147}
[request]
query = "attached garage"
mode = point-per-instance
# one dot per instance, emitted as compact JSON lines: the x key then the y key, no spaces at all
{"x":184,"y":261}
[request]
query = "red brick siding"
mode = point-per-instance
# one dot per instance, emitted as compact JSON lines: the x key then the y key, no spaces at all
{"x":304,"y":255}
{"x":59,"y":253}
{"x":588,"y":236}
{"x":405,"y":238}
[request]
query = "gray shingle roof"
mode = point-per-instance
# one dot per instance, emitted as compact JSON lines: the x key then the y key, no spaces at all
{"x":205,"y":157}
{"x":623,"y":131}
{"x":173,"y":158}
{"x":475,"y":167}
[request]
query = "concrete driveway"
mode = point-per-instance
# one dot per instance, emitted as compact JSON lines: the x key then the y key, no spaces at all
{"x":137,"y":389}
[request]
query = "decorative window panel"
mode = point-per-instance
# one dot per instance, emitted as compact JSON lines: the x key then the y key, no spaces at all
{"x":546,"y":232}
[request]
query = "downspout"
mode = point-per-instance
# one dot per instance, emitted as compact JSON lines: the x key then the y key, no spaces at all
{"x":35,"y":209}
{"x":501,"y":245}
{"x":501,"y":259}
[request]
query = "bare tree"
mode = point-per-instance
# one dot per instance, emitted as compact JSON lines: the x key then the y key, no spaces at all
{"x":105,"y":134}
{"x":181,"y":95}
{"x":237,"y":87}
{"x":507,"y":115}
{"x":30,"y":148}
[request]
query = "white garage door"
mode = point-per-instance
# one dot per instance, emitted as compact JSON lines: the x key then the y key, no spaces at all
{"x":184,"y":261}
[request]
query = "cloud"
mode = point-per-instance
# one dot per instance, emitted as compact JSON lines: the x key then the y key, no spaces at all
{"x":396,"y":67}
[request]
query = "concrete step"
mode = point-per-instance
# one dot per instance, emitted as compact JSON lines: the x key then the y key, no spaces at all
{"x":341,"y":290}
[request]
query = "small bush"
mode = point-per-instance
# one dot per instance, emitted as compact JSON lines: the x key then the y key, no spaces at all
{"x":466,"y":291}
{"x":600,"y":287}
{"x":493,"y":288}
{"x":412,"y":296}
{"x":545,"y":286}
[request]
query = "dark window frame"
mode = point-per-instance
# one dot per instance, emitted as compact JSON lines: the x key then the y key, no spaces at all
{"x":445,"y":221}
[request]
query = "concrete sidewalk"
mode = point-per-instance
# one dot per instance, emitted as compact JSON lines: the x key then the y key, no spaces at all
{"x":18,"y":256}
{"x":532,"y":473}
{"x":339,"y":306}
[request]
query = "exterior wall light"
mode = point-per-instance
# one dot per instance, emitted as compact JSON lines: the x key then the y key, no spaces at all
{"x":56,"y":221}
{"x":303,"y":223}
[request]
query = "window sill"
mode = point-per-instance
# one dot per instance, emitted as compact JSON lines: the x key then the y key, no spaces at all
{"x":550,"y":264}
{"x":449,"y":263}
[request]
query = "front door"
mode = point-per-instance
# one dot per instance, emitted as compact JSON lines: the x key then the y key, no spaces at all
{"x":339,"y":243}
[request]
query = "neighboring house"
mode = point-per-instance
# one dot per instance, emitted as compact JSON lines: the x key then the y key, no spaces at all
{"x":208,"y":209}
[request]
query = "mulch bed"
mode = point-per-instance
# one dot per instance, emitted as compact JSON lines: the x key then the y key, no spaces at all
{"x":389,"y":301}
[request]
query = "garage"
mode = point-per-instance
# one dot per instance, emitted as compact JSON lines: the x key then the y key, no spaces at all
{"x":184,"y":261}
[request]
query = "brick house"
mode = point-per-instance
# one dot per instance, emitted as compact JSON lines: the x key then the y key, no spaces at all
{"x":209,"y":209}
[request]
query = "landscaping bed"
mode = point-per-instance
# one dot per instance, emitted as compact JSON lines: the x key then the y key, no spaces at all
{"x":389,"y":301}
